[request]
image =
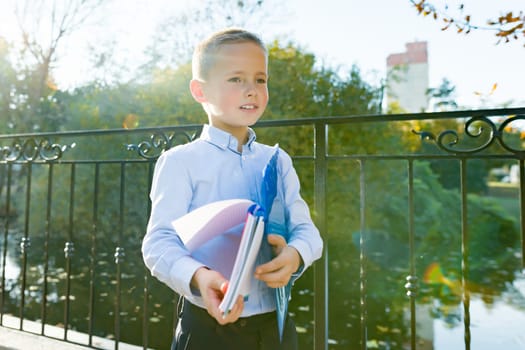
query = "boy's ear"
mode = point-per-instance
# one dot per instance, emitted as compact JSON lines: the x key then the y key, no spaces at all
{"x":196,"y":91}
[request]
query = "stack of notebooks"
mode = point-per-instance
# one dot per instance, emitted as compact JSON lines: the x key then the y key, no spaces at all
{"x":204,"y":223}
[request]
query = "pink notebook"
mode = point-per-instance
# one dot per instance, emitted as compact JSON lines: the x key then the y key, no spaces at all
{"x":206,"y":222}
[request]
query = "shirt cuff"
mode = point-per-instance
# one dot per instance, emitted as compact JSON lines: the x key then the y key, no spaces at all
{"x":185,"y":268}
{"x":305,"y":254}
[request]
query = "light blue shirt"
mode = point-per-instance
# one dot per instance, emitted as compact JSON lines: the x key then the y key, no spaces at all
{"x":211,"y":169}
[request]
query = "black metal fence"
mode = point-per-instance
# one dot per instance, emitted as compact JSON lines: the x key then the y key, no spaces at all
{"x":398,"y":199}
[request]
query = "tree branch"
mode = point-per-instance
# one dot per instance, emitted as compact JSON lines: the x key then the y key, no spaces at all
{"x":507,"y":27}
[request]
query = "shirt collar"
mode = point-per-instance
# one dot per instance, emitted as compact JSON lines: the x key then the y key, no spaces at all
{"x":223,"y":139}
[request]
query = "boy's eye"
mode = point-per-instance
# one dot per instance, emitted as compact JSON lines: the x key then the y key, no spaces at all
{"x":261,"y":81}
{"x":235,"y":80}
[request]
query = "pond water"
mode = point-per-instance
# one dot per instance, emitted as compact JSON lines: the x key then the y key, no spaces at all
{"x":498,"y":325}
{"x":12,"y":270}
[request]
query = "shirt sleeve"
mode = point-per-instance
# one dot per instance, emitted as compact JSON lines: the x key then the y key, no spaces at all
{"x":304,"y":235}
{"x":163,"y":252}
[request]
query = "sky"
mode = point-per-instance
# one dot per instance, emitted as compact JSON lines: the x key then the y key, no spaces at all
{"x":342,"y":33}
{"x":366,"y":32}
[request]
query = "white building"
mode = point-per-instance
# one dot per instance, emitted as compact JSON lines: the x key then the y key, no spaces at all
{"x":407,"y":78}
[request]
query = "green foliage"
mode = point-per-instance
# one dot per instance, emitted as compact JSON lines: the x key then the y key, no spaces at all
{"x":8,"y":79}
{"x":492,"y":243}
{"x":301,"y":89}
{"x":448,"y":171}
{"x":28,"y":98}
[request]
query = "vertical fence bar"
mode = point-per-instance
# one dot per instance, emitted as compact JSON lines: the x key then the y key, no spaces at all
{"x":47,"y":234}
{"x":119,"y":255}
{"x":320,"y":267}
{"x":362,"y":255}
{"x":175,"y":304}
{"x":69,"y":248}
{"x":145,"y":307}
{"x":522,"y":210}
{"x":411,"y":280}
{"x":25,"y":243}
{"x":9,"y":167}
{"x":465,"y":253}
{"x":93,"y":254}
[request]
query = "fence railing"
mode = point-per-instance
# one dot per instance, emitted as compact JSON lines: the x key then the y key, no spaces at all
{"x":400,"y":201}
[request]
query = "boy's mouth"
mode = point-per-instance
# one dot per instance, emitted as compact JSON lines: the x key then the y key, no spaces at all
{"x":248,"y":107}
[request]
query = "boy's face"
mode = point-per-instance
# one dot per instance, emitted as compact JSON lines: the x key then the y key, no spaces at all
{"x":235,"y":94}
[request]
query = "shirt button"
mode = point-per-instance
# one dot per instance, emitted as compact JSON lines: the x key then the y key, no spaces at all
{"x":243,"y":323}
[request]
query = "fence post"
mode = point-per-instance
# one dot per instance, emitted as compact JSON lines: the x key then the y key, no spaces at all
{"x":320,"y":267}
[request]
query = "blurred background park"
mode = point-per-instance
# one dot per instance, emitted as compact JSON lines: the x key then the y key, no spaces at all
{"x":83,"y":65}
{"x":62,"y":47}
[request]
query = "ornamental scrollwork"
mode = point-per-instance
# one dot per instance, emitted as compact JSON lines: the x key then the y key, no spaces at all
{"x":160,"y":142}
{"x":31,"y":150}
{"x":476,"y":127}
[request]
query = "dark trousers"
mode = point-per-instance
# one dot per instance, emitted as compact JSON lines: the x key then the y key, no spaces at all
{"x":197,"y":330}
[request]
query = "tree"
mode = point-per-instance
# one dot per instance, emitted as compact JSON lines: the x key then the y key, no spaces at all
{"x":509,"y":26}
{"x":176,"y":36}
{"x":8,"y":86}
{"x":43,"y":27}
{"x":443,"y":96}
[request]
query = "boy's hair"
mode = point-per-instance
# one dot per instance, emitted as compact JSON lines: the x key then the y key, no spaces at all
{"x":202,"y":60}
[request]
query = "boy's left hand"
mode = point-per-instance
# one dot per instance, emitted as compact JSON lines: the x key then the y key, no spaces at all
{"x":277,"y":272}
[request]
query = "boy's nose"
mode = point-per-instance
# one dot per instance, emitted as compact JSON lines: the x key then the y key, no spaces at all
{"x":250,"y":89}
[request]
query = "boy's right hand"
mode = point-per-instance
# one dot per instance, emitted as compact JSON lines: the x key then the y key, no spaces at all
{"x":211,"y":286}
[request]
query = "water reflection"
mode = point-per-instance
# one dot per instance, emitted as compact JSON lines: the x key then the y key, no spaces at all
{"x":12,"y":270}
{"x":496,"y":317}
{"x":495,"y":326}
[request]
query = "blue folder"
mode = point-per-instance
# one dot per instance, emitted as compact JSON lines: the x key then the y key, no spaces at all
{"x":268,"y":193}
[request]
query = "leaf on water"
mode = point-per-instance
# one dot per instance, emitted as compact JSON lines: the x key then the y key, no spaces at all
{"x":300,"y":329}
{"x":304,"y":308}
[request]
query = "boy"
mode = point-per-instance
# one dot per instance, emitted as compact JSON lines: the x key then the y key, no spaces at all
{"x":230,"y":73}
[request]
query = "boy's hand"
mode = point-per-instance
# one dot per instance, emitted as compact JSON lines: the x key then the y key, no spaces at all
{"x":277,"y":272}
{"x":212,"y":286}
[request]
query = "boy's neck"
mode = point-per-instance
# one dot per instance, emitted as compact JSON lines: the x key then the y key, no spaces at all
{"x":242,"y":138}
{"x":240,"y":133}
